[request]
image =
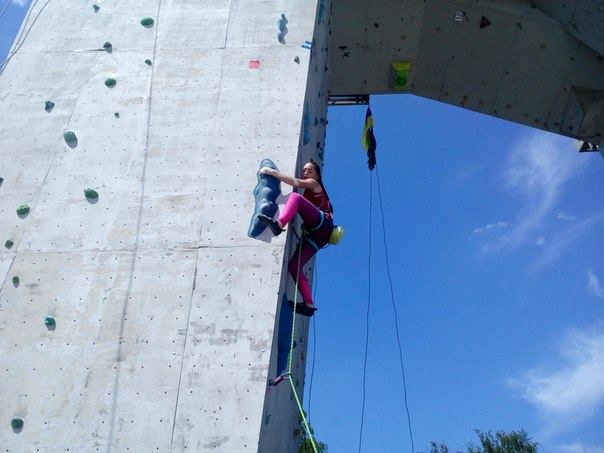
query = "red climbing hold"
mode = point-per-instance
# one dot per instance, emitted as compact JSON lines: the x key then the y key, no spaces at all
{"x":254,"y":64}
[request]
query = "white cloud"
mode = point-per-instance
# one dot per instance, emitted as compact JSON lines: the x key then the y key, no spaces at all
{"x":540,"y":241}
{"x":593,"y":285}
{"x":562,"y":240}
{"x":563,"y":216}
{"x":489,"y":226}
{"x":20,"y":2}
{"x":579,"y":448}
{"x":572,"y":390}
{"x":537,"y":169}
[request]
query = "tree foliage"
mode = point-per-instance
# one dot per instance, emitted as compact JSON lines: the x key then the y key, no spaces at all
{"x":500,"y":442}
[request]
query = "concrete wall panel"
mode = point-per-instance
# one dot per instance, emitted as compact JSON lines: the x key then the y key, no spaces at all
{"x":164,"y":308}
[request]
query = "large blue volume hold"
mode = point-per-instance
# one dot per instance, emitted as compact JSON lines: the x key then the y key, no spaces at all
{"x":266,"y":193}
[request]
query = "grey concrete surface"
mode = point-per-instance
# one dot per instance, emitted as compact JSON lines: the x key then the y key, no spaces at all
{"x":165,"y":309}
{"x":525,"y":66}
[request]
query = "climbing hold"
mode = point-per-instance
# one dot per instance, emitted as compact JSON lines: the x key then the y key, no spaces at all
{"x":267,"y":419}
{"x":110,"y":82}
{"x":91,"y":194}
{"x":399,"y":75}
{"x":148,"y":62}
{"x":484,"y":22}
{"x":254,"y":64}
{"x":307,"y":45}
{"x":1,"y":181}
{"x":108,"y":47}
{"x":297,"y":59}
{"x":16,"y":423}
{"x":23,"y":210}
{"x":50,"y":322}
{"x":70,"y":139}
{"x":116,"y":114}
{"x":96,"y":8}
{"x":282,"y":28}
{"x":48,"y":106}
{"x":147,"y":22}
{"x":265,"y":193}
{"x":306,"y":125}
{"x":16,"y":281}
{"x":9,"y":244}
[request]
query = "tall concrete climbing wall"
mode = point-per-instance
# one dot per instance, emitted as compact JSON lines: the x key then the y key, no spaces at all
{"x":281,"y":423}
{"x":137,"y":315}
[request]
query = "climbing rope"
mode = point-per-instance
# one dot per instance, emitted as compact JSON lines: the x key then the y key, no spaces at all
{"x":398,"y":338}
{"x":6,"y":7}
{"x":367,"y":313}
{"x":291,"y":351}
{"x":5,"y":62}
{"x":397,"y":330}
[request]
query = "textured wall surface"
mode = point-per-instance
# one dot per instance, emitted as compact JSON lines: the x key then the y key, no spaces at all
{"x":505,"y":58}
{"x":164,"y":308}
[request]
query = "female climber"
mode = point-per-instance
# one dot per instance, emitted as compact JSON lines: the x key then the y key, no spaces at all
{"x":317,"y":215}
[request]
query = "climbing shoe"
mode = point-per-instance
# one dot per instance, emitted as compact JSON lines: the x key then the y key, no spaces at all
{"x":272,"y":224}
{"x":302,"y":308}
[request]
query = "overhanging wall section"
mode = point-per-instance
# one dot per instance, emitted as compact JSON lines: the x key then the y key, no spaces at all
{"x":164,"y":308}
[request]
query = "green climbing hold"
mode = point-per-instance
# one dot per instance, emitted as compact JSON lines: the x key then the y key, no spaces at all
{"x":116,"y":114}
{"x":22,"y":210}
{"x":48,"y":106}
{"x":91,"y":193}
{"x":70,"y":139}
{"x":49,"y":321}
{"x":297,"y":59}
{"x":9,"y":244}
{"x":110,"y":82}
{"x":16,"y":423}
{"x":108,"y":47}
{"x":96,"y":8}
{"x":147,"y":22}
{"x":148,"y":62}
{"x":16,"y":281}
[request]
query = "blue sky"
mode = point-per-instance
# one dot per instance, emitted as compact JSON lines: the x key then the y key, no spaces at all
{"x":495,"y":240}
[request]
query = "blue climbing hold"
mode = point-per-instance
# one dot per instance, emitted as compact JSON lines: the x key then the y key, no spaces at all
{"x":282,"y":29}
{"x":266,"y":192}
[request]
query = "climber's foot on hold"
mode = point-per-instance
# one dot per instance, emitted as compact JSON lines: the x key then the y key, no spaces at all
{"x":271,"y":223}
{"x":303,"y":308}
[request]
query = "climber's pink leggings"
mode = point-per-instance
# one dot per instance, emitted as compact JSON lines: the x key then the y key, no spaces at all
{"x":311,"y":216}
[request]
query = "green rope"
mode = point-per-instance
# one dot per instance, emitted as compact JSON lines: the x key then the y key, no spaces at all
{"x":291,"y":352}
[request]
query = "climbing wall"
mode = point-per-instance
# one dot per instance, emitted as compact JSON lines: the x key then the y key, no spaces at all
{"x":282,"y":426}
{"x":135,"y":313}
